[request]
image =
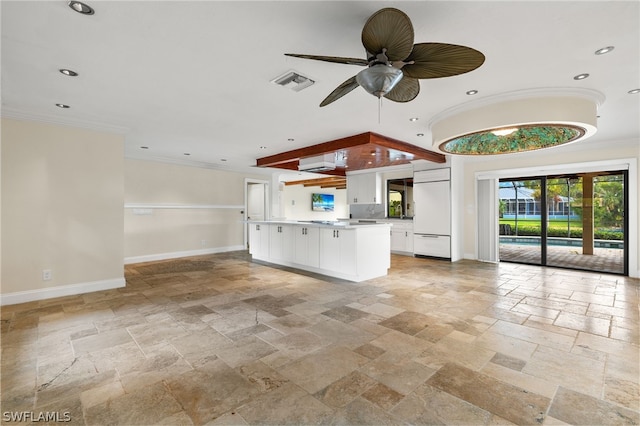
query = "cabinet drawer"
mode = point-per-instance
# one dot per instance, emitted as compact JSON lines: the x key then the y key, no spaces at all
{"x":432,"y":245}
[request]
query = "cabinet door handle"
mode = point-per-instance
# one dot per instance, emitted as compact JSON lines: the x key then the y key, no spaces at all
{"x":338,"y":233}
{"x":405,"y":234}
{"x":257,"y":227}
{"x":334,"y":233}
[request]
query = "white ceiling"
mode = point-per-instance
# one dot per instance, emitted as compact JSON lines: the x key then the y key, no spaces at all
{"x":194,"y":76}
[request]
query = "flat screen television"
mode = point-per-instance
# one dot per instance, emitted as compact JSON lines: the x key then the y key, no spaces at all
{"x":322,"y":202}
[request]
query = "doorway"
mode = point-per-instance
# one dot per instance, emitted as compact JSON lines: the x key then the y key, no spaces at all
{"x":575,"y":221}
{"x":256,"y":196}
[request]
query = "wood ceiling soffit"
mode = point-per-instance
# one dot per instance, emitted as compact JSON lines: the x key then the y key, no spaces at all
{"x":329,"y":182}
{"x":289,"y":159}
{"x":310,"y":151}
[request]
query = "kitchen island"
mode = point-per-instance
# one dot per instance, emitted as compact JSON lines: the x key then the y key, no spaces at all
{"x":350,"y":251}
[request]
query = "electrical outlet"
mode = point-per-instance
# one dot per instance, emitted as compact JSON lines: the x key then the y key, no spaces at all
{"x":46,"y":274}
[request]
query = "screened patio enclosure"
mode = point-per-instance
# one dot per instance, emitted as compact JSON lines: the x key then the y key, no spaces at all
{"x":575,"y":221}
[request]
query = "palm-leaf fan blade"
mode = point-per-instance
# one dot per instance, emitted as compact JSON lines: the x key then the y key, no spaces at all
{"x":340,"y":91}
{"x":335,"y":59}
{"x":391,"y":29}
{"x":406,"y":90}
{"x":435,"y":60}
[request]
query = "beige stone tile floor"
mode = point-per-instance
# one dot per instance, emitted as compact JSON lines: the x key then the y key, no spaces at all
{"x":220,"y":339}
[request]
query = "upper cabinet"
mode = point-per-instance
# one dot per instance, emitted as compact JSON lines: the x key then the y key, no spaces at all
{"x":364,"y":188}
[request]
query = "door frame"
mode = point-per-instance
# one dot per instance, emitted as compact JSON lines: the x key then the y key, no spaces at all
{"x":267,"y":204}
{"x":628,"y":164}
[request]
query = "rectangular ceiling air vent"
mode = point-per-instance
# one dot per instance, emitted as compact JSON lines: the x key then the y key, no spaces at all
{"x":293,"y":80}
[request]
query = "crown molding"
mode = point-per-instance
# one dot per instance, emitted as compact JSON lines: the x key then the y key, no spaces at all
{"x":18,"y":114}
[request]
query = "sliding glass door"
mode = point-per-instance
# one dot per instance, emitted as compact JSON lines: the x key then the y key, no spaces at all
{"x":521,"y":221}
{"x":575,"y":221}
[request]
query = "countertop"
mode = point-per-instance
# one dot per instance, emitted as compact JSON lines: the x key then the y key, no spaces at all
{"x":342,"y":224}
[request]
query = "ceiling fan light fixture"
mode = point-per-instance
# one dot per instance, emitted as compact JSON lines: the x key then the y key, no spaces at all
{"x":379,"y":79}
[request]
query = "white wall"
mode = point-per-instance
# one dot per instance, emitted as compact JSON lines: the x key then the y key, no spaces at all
{"x":296,"y":203}
{"x":174,"y":211}
{"x":62,"y":194}
{"x":580,"y":152}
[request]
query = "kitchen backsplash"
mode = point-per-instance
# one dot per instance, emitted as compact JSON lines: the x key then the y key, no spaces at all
{"x":367,"y":211}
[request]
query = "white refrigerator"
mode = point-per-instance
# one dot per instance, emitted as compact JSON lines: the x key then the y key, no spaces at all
{"x":432,"y":216}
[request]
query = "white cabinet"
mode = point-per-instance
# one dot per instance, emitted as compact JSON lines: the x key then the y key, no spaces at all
{"x":281,"y":242}
{"x":364,"y":188}
{"x":354,"y":253}
{"x":402,"y":237}
{"x":432,"y":245}
{"x":338,"y":250}
{"x":306,"y":246}
{"x":259,"y":240}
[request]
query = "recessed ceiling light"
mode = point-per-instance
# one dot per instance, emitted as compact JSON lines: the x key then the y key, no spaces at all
{"x":504,"y":131}
{"x":68,"y":72}
{"x":634,"y":91}
{"x":81,"y":8}
{"x":420,"y":134}
{"x":604,"y":50}
{"x":581,"y":76}
{"x":62,"y":106}
{"x":413,"y":119}
{"x":471,"y":92}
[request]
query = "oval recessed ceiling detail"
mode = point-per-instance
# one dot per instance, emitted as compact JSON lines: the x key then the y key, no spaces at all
{"x":515,"y":122}
{"x":521,"y":139}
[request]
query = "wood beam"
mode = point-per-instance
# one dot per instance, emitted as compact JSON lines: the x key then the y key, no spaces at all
{"x":309,"y":151}
{"x":318,"y":181}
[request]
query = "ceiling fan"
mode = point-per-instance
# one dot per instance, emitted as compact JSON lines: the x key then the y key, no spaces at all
{"x":394,"y":64}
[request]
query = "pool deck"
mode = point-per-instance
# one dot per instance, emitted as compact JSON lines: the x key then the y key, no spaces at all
{"x":602,"y":260}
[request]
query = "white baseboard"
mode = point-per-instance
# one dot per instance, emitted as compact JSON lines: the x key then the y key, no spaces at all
{"x":60,"y":291}
{"x":177,"y":254}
